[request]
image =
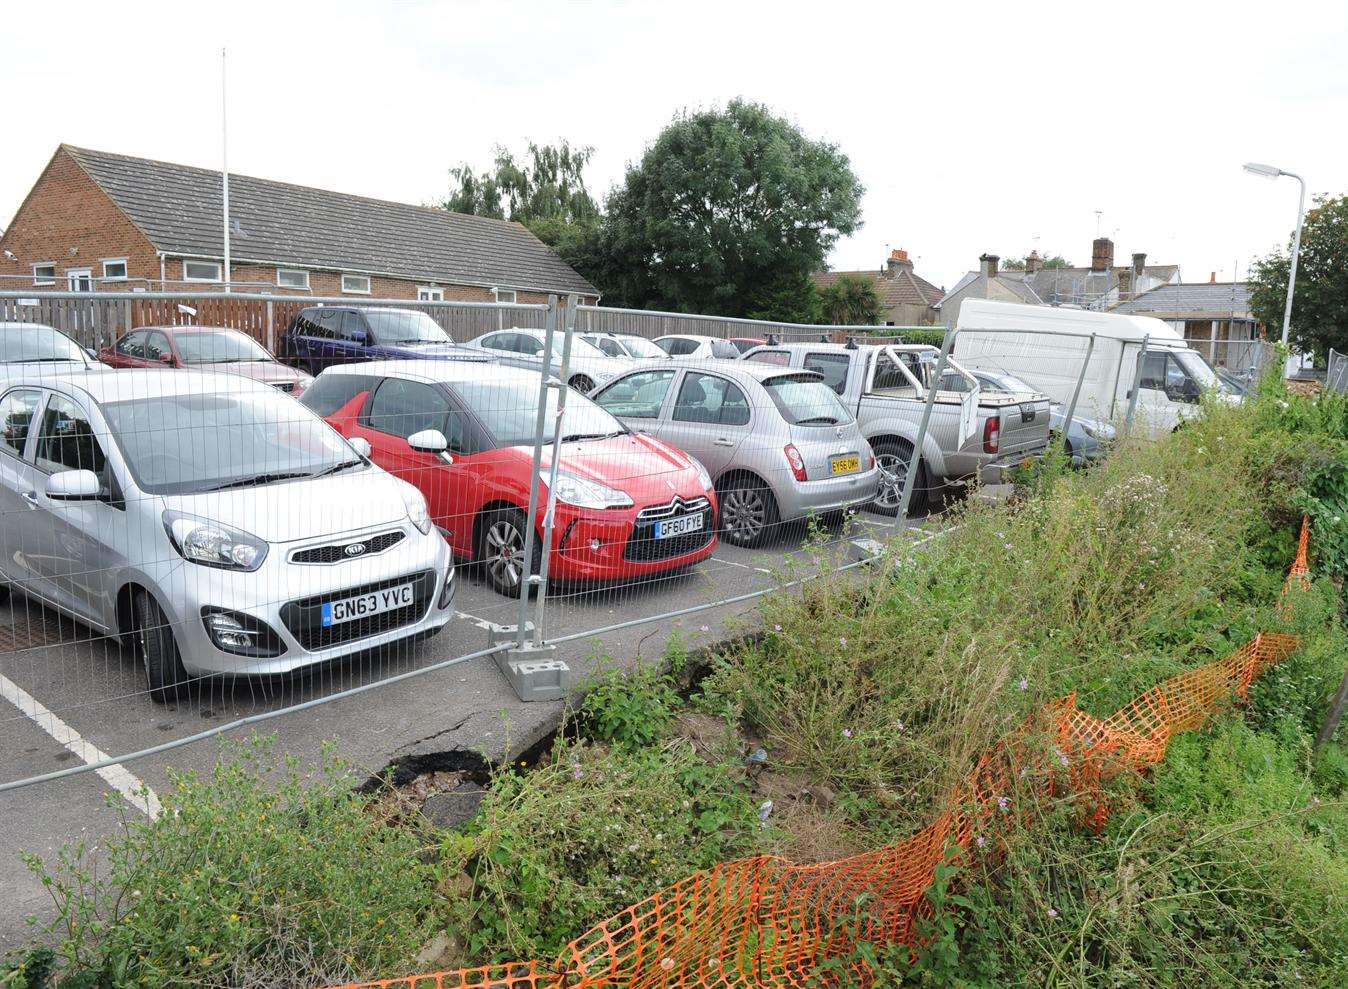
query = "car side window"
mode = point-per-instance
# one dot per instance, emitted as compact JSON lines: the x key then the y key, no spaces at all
{"x":496,"y":341}
{"x":132,"y":345}
{"x":528,"y":346}
{"x":709,"y":398}
{"x":832,"y":366}
{"x":353,"y":325}
{"x":680,"y":348}
{"x":16,"y":417}
{"x":401,"y":408}
{"x":331,"y":391}
{"x":778,"y":357}
{"x":66,"y":441}
{"x":1153,"y":372}
{"x":888,"y":375}
{"x":724,"y":350}
{"x":156,"y":347}
{"x":609,"y":346}
{"x":329,"y":325}
{"x":638,"y":396}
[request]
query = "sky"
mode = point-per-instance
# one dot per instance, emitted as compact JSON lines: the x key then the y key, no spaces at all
{"x":974,"y":127}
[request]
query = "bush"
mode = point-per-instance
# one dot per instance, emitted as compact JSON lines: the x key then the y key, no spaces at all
{"x":256,"y":874}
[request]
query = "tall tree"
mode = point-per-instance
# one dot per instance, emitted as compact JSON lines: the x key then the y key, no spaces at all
{"x":851,"y":301}
{"x":1018,"y":264}
{"x":725,"y":210}
{"x":1320,"y":306}
{"x":545,"y":191}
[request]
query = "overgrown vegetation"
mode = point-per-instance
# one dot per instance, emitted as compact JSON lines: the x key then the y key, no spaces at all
{"x":842,"y":726}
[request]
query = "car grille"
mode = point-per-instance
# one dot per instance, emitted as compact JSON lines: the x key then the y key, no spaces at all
{"x":304,"y":618}
{"x":351,"y":550}
{"x":643,"y":547}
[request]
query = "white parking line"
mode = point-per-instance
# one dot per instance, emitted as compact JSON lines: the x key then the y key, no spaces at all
{"x":132,"y":789}
{"x":481,"y":623}
{"x":732,"y":563}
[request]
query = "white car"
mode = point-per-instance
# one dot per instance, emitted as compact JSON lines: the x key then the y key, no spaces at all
{"x":626,"y":345}
{"x":699,"y":348}
{"x":590,"y":367}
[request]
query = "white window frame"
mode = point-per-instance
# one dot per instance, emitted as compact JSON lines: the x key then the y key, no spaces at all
{"x":214,"y":264}
{"x":45,"y":281}
{"x":292,"y":271}
{"x":114,"y":278}
{"x":356,"y":291}
{"x":74,"y":275}
{"x":507,"y":295}
{"x":430,"y":293}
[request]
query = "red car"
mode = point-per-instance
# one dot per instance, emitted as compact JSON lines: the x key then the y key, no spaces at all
{"x":203,"y":348}
{"x":627,"y":504}
{"x":743,"y":344}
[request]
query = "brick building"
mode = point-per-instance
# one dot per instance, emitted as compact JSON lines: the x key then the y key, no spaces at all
{"x":97,"y":220}
{"x":906,"y":298}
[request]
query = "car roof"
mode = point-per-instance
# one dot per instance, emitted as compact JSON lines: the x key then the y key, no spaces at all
{"x":744,"y":370}
{"x":19,"y":325}
{"x":842,"y":348}
{"x":443,"y":372}
{"x":105,"y":384}
{"x":688,"y":336}
{"x":353,"y":307}
{"x":190,"y":329}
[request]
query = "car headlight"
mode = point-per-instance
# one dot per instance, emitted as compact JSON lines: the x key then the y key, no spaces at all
{"x":415,"y":504}
{"x":584,"y":493}
{"x":212,"y":544}
{"x":702,"y":474}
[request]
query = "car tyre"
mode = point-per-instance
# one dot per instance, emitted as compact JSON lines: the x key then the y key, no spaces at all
{"x":893,"y":458}
{"x":154,"y":645}
{"x":501,"y":550}
{"x":749,"y":511}
{"x":582,"y":383}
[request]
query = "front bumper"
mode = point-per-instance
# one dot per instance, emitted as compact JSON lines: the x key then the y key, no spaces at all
{"x":799,"y":498}
{"x":286,"y":597}
{"x":594,"y":545}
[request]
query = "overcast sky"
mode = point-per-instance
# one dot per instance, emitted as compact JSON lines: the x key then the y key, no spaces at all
{"x":974,"y":128}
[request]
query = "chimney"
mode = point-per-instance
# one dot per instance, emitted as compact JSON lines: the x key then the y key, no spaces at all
{"x":1213,"y":278}
{"x":898,"y":259}
{"x":1033,"y":262}
{"x":987,"y":264}
{"x":1102,"y":254}
{"x":1126,"y":283}
{"x":1139,"y":264}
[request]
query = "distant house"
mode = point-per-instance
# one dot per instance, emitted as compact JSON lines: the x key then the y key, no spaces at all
{"x":100,"y":220}
{"x":1213,"y":316}
{"x":906,"y":298}
{"x":1100,"y":286}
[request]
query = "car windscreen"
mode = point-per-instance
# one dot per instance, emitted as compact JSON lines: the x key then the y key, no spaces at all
{"x":641,"y":347}
{"x":218,"y":347}
{"x":579,"y":347}
{"x":189,"y":443}
{"x":804,"y":400}
{"x":509,"y":410}
{"x":405,"y":328}
{"x":38,"y":344}
{"x":1197,"y":368}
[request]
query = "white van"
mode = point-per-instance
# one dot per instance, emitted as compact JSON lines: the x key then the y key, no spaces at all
{"x":1045,"y":346}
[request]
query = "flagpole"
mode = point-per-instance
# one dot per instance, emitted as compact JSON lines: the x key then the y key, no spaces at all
{"x":224,"y":161}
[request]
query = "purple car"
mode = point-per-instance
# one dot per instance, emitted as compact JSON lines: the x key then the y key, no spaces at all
{"x":321,"y":336}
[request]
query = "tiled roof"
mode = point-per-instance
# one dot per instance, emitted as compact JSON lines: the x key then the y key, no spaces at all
{"x":1006,"y":286}
{"x":1216,"y":298}
{"x":903,"y":288}
{"x":179,"y":209}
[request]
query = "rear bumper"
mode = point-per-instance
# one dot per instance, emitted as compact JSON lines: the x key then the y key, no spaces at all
{"x":1000,"y":468}
{"x":827,"y":495}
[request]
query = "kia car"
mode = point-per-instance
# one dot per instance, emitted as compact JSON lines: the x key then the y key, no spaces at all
{"x":204,"y":348}
{"x":777,"y":442}
{"x":627,"y":505}
{"x":588,"y":366}
{"x":321,"y":336}
{"x":210,"y":523}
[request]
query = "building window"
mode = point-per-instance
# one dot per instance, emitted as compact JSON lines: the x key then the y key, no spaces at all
{"x":201,"y":271}
{"x":114,"y":269}
{"x":430,"y":293}
{"x":44,"y":274}
{"x":292,"y":278}
{"x":356,"y":284}
{"x":505,"y":295}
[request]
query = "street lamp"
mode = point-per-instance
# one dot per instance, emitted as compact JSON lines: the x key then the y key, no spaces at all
{"x":1273,"y":172}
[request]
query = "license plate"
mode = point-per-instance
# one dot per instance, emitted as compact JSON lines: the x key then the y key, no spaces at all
{"x":678,"y":526}
{"x":1027,"y":413}
{"x":845,"y":465}
{"x":358,"y":606}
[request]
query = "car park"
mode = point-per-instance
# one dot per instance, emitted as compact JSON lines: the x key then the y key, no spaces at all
{"x":777,"y":443}
{"x":626,"y":345}
{"x":588,"y":366}
{"x":211,"y":524}
{"x":627,"y":505}
{"x":24,"y":346}
{"x":203,"y":348}
{"x":974,"y":434}
{"x":697,"y":347}
{"x":321,"y":336}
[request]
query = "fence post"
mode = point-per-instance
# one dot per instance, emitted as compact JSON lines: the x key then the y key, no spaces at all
{"x":271,"y":328}
{"x":563,"y":390}
{"x":901,"y":521}
{"x":1076,"y":392}
{"x":544,"y":372}
{"x":1137,"y":387}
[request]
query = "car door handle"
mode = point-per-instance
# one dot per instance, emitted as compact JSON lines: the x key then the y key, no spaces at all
{"x":31,"y":498}
{"x":723,"y":441}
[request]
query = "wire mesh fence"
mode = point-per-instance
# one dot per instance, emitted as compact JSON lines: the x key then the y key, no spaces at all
{"x":250,"y":505}
{"x":1336,"y":373}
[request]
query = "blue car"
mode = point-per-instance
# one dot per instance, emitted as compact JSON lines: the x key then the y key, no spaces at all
{"x":321,"y":336}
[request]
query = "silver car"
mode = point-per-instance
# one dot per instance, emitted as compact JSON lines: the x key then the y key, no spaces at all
{"x":211,"y":523}
{"x":777,"y":442}
{"x":589,"y":366}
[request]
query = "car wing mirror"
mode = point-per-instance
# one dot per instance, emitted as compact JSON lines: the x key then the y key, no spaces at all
{"x":360,"y":337}
{"x":73,"y":485}
{"x":166,"y":358}
{"x":361,"y":445}
{"x":428,"y":441}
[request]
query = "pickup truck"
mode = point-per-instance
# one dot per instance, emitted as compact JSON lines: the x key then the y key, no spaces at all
{"x":973,"y":434}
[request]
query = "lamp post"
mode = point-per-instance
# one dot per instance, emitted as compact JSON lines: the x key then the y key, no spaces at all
{"x":1273,"y":172}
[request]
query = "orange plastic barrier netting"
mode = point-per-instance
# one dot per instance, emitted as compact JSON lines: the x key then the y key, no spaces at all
{"x":763,"y":921}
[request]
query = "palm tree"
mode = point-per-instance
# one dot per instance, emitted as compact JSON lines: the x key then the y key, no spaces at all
{"x":851,"y":301}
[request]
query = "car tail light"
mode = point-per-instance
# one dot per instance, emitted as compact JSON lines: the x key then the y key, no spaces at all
{"x":992,"y":434}
{"x":870,"y":461}
{"x":794,"y":459}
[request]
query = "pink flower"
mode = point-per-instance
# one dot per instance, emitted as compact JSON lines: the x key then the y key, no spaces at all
{"x":847,"y":733}
{"x":1003,"y":803}
{"x":843,"y":642}
{"x":776,"y":628}
{"x":1024,"y":684}
{"x":1052,"y":914}
{"x":706,"y":628}
{"x":667,"y":964}
{"x":980,"y":841}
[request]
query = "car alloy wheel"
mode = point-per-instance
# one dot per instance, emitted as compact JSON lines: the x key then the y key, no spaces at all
{"x":893,"y":472}
{"x":747,"y":513}
{"x":582,"y":384}
{"x":505,"y":554}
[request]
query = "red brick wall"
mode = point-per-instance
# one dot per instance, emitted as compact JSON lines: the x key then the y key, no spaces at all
{"x":66,"y":210}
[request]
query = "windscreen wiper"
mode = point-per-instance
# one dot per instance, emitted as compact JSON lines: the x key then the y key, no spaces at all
{"x":344,"y":465}
{"x":576,"y":437}
{"x":256,"y":479}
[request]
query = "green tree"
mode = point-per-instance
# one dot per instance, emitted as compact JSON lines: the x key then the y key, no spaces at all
{"x":546,"y":191}
{"x":727,"y":211}
{"x":1018,"y":264}
{"x":852,"y":301}
{"x":1320,"y":306}
{"x":791,"y":299}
